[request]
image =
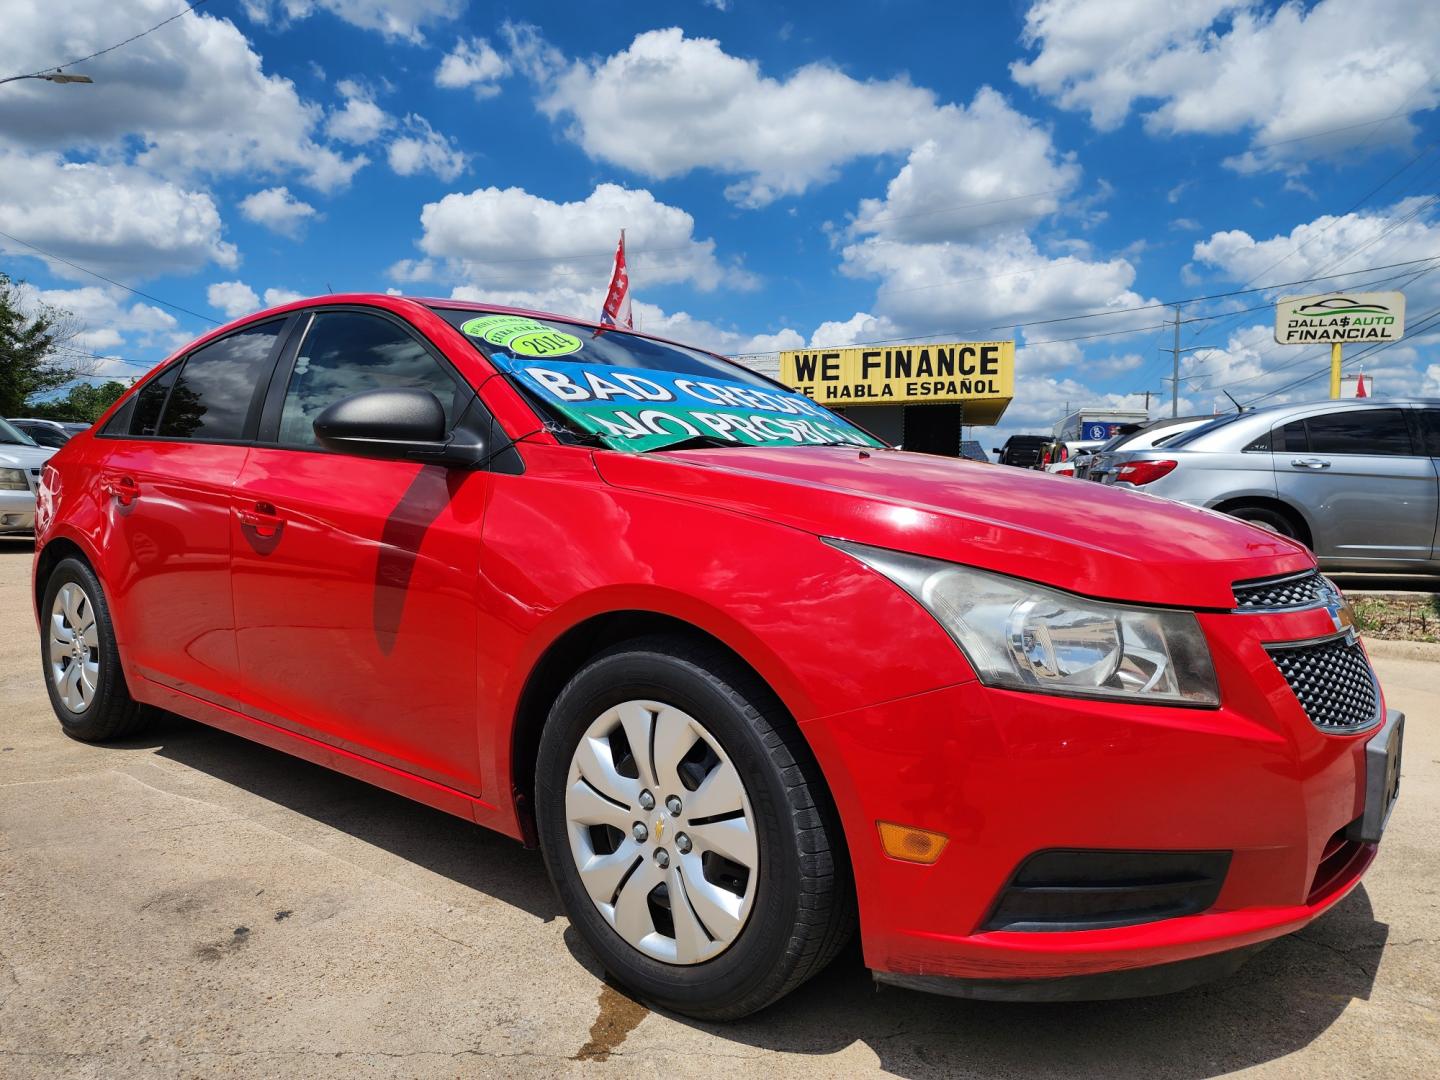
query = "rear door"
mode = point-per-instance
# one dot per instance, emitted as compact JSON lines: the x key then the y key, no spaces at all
{"x":354,"y":579}
{"x":170,"y":463}
{"x":1369,"y":491}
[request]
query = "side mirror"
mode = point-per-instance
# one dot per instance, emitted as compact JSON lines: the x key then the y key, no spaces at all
{"x":996,"y":450}
{"x":403,"y":424}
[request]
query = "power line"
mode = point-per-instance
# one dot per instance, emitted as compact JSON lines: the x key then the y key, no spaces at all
{"x":1302,"y":359}
{"x":1428,"y":321}
{"x":1009,"y":325}
{"x":1270,"y":349}
{"x":112,"y":281}
{"x":112,"y":48}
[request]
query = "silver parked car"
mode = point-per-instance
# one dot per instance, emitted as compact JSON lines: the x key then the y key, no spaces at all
{"x":20,"y":463}
{"x":1356,"y":481}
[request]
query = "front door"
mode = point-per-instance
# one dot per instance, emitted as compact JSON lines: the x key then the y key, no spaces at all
{"x":1369,"y":491}
{"x":171,"y":461}
{"x":354,"y":579}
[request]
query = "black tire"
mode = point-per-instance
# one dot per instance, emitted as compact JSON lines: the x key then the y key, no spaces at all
{"x":804,"y":906}
{"x":1268,"y":518}
{"x":112,"y":713}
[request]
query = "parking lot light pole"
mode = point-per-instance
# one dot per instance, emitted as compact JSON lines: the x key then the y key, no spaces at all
{"x":56,"y":76}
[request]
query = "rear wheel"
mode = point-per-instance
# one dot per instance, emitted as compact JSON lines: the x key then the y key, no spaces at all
{"x":1269,"y":519}
{"x":688,"y":832}
{"x":80,"y":659}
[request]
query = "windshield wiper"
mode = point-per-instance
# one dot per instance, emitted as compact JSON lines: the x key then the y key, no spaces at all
{"x":699,"y":442}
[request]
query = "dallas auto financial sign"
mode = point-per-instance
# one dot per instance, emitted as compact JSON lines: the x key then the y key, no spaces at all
{"x":1340,"y":317}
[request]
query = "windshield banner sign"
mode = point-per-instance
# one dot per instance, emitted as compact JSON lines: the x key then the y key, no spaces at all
{"x":643,"y":409}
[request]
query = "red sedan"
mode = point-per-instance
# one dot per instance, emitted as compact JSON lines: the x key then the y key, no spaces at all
{"x":744,"y":674}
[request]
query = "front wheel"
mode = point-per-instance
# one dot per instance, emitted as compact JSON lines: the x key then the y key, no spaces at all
{"x":80,"y":659}
{"x":688,"y":832}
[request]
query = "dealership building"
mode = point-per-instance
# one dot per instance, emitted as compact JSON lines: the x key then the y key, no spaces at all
{"x":918,"y":396}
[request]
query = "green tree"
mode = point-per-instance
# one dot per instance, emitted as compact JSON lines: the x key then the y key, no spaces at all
{"x":28,"y":341}
{"x":84,"y":403}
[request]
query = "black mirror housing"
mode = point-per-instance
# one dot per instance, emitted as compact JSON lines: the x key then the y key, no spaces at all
{"x":404,"y":424}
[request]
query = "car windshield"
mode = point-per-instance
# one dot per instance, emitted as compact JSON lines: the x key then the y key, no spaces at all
{"x":630,"y":392}
{"x":9,"y":433}
{"x":1204,"y":429}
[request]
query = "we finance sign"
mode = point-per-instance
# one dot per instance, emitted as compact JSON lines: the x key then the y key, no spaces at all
{"x":961,"y":371}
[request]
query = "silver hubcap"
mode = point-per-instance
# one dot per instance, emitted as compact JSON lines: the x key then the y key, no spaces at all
{"x":662,"y":832}
{"x":74,"y":647}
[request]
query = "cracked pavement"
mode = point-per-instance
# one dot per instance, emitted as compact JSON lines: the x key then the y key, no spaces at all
{"x":191,"y":904}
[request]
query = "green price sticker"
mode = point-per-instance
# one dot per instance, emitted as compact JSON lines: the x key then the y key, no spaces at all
{"x":521,"y":336}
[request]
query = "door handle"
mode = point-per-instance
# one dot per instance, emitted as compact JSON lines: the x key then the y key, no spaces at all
{"x":1310,"y":463}
{"x":262,"y":518}
{"x":122,"y":489}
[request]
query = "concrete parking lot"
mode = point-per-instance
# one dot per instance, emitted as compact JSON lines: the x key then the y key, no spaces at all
{"x":188,"y":903}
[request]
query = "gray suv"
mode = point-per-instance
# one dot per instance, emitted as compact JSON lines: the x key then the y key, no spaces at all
{"x":1356,"y":481}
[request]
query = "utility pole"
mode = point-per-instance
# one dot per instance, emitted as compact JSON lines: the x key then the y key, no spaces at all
{"x":1175,"y":368}
{"x":1175,"y":378}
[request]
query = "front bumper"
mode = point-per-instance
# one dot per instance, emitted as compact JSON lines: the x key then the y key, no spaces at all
{"x":1005,"y":775}
{"x":17,"y":512}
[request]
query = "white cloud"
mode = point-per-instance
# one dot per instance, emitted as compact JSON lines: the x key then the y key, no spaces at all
{"x":1340,"y":74}
{"x":277,"y":210}
{"x":979,"y":167}
{"x":413,"y":147}
{"x":951,"y":286}
{"x":359,"y":120}
{"x":472,"y":62}
{"x":109,"y":319}
{"x":397,"y":19}
{"x":1329,"y":244}
{"x":668,"y":104}
{"x":235,"y":298}
{"x":116,"y":219}
{"x":512,"y":242}
{"x":423,"y":149}
{"x":191,"y":100}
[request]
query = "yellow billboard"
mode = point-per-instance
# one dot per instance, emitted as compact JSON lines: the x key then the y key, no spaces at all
{"x":978,"y":374}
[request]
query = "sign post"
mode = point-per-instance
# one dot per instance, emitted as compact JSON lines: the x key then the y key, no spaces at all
{"x":1336,"y":318}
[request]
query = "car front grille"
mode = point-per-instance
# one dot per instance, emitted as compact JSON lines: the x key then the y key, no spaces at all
{"x":1332,"y":680}
{"x":1291,"y":591}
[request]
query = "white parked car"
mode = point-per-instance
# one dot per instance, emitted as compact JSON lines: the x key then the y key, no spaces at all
{"x":20,"y":463}
{"x":1064,"y":453}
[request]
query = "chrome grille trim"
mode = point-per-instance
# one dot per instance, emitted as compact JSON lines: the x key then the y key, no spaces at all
{"x":1290,"y":592}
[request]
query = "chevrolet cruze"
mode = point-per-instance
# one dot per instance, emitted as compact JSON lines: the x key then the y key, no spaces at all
{"x":746,"y":676}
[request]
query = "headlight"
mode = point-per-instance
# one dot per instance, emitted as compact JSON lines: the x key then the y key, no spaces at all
{"x":13,"y":480}
{"x":1026,"y":637}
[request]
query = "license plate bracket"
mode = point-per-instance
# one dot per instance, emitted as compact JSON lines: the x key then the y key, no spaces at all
{"x":1382,"y":779}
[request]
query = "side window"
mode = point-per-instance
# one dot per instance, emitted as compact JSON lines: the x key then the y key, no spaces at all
{"x":1430,"y":428}
{"x":1360,"y":431}
{"x":145,"y":420}
{"x":212,"y":396}
{"x":1290,"y":438}
{"x":347,"y":352}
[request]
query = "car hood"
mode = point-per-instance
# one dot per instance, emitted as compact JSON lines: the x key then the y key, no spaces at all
{"x":1071,"y":534}
{"x":19,"y":456}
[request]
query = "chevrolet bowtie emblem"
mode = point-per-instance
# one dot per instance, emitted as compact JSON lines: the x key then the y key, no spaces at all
{"x":1338,"y":608}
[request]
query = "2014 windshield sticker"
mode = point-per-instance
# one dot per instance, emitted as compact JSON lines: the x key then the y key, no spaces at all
{"x":631,"y":410}
{"x":521,"y":336}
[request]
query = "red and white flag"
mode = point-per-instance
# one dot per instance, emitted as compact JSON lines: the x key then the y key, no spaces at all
{"x":1360,"y":387}
{"x":616,"y":311}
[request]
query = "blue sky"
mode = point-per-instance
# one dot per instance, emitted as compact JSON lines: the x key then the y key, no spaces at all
{"x":789,"y":174}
